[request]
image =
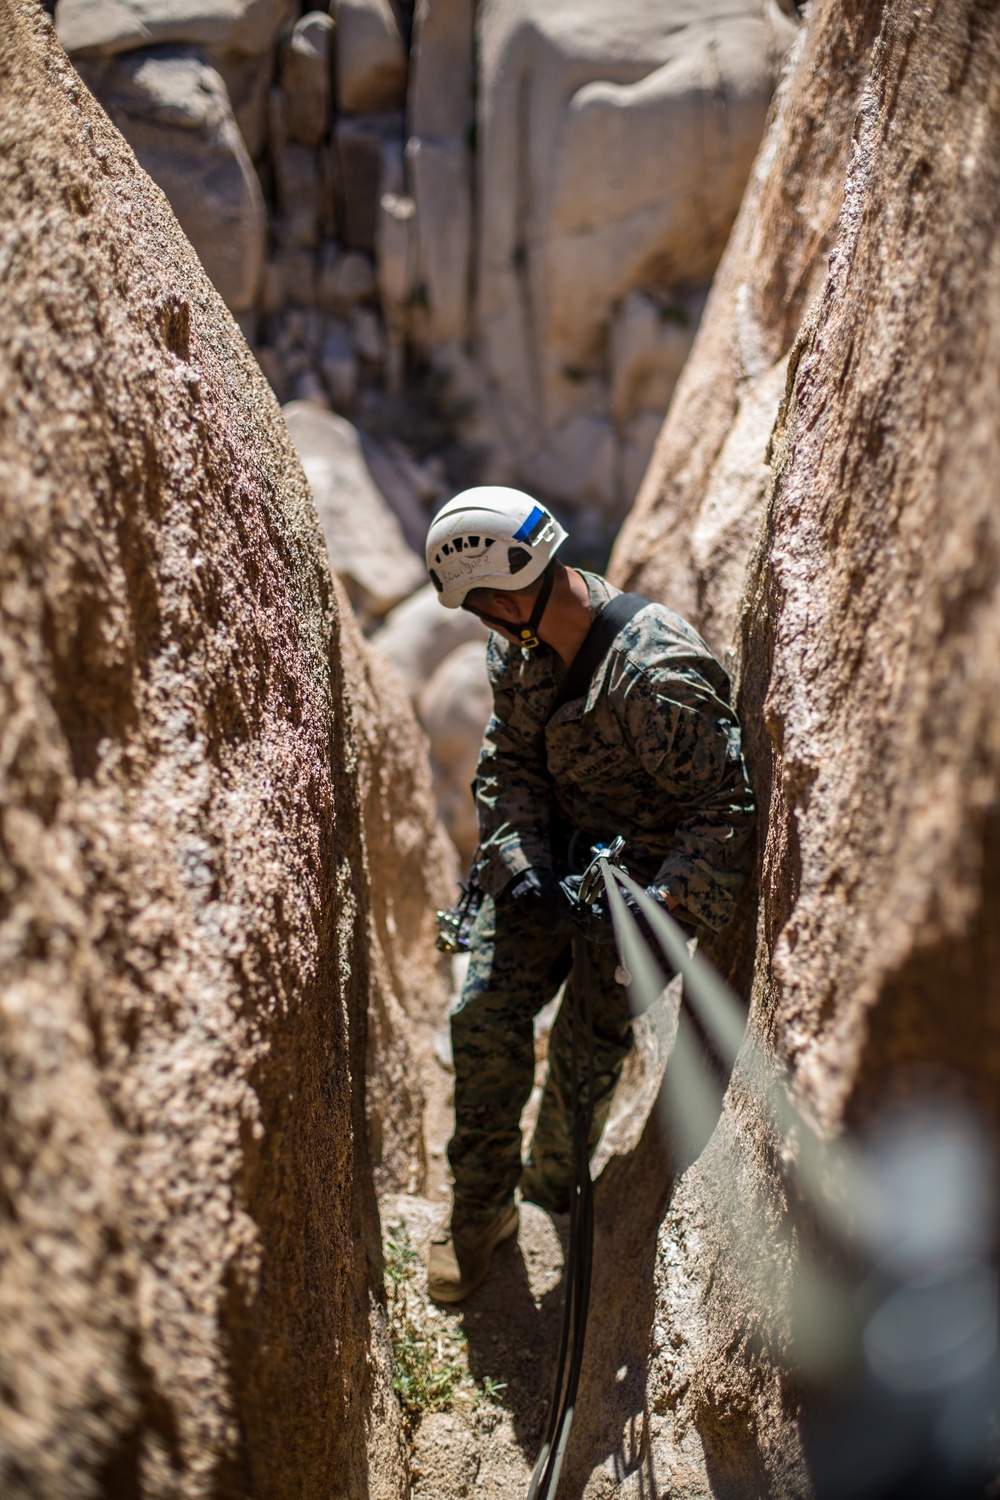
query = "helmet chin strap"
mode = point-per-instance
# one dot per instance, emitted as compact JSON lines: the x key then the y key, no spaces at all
{"x":528,"y":633}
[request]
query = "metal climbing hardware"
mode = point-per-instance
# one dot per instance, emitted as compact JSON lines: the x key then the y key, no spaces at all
{"x":593,"y":881}
{"x":455,"y":925}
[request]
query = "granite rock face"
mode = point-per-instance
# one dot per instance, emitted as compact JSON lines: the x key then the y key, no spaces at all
{"x":866,"y":646}
{"x":204,"y":881}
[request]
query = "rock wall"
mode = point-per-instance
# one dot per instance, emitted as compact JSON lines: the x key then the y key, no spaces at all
{"x":204,"y":879}
{"x":413,"y":871}
{"x":848,"y":560}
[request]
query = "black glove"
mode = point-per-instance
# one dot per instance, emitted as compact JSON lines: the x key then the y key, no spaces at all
{"x":592,"y":922}
{"x":538,"y":892}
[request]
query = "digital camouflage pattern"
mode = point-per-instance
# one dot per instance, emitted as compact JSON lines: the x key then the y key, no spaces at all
{"x":653,"y":753}
{"x":517,"y":965}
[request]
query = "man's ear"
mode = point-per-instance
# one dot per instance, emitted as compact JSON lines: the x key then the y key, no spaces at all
{"x":504,"y":606}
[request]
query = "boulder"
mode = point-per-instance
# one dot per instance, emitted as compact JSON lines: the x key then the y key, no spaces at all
{"x":363,"y":537}
{"x":300,"y":196}
{"x":747,"y":330}
{"x":395,"y":252}
{"x":305,"y":384}
{"x":651,"y":338}
{"x":440,"y":116}
{"x":366,"y":333}
{"x":369,"y":158}
{"x":291,"y":279}
{"x":454,"y":707}
{"x":418,"y":634}
{"x":581,"y":204}
{"x":110,"y":26}
{"x":396,"y":258}
{"x":370,"y":57}
{"x":306,"y":61}
{"x":440,"y":100}
{"x":196,"y":799}
{"x":247,"y":81}
{"x":344,"y":278}
{"x":441,"y":175}
{"x":339,"y":365}
{"x":172,"y":107}
{"x":576,"y":463}
{"x":409,"y":489}
{"x":238,"y":36}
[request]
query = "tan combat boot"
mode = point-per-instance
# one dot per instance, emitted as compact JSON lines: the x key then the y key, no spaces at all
{"x":459,"y":1259}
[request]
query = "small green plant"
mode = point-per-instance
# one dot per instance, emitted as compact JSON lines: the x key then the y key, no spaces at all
{"x":430,"y":1352}
{"x":430,"y":1364}
{"x":491,"y":1388}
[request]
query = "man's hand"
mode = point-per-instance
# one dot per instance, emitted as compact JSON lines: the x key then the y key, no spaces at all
{"x":538,"y":892}
{"x":663,"y":899}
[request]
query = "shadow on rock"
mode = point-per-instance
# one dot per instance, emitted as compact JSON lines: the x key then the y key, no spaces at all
{"x":512,"y":1324}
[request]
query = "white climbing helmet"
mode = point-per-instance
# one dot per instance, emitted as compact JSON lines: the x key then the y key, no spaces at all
{"x":490,"y":537}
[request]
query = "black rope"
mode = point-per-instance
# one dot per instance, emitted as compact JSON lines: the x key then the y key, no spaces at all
{"x":578,"y":1273}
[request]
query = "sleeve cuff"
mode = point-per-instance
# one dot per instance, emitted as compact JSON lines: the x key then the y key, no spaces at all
{"x":498,"y":864}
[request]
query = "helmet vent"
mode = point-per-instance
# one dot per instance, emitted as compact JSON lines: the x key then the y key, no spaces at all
{"x":517,"y":558}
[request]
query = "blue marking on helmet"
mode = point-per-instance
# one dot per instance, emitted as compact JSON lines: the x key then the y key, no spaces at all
{"x":526,"y":531}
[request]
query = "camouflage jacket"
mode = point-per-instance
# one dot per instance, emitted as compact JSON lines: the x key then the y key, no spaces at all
{"x":652,"y":752}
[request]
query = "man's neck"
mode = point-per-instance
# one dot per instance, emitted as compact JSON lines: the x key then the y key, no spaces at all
{"x":566,"y":621}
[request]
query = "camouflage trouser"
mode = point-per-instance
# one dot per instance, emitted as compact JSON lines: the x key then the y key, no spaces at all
{"x":516,"y":967}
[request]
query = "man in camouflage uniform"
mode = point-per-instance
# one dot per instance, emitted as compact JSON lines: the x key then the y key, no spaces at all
{"x":652,"y":752}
